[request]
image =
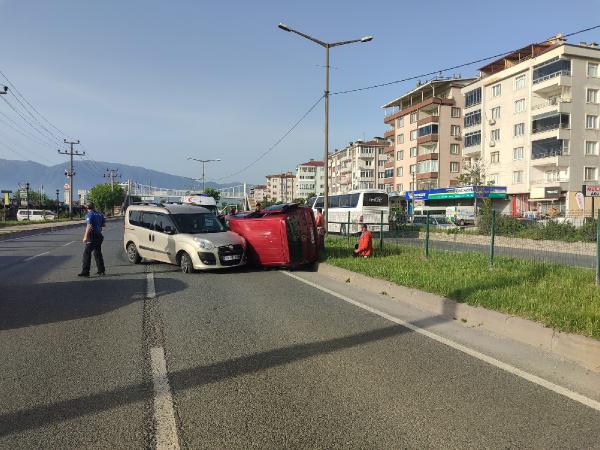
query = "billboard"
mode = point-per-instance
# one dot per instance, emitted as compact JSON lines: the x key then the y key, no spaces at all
{"x":459,"y":192}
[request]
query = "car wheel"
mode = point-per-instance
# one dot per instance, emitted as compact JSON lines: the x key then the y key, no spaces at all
{"x":132,"y":254}
{"x":186,"y":264}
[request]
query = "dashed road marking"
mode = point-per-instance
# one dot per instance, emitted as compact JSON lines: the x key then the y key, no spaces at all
{"x":462,"y":348}
{"x":68,"y":243}
{"x":35,"y":256}
{"x":165,"y":428}
{"x":150,"y":290}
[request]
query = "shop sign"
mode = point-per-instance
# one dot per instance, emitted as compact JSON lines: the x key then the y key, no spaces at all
{"x":591,"y":190}
{"x":552,"y":192}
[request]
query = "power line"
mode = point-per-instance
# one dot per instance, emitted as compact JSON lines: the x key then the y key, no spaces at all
{"x":50,"y":134}
{"x":438,"y":71}
{"x":279,"y":141}
{"x":9,"y":122}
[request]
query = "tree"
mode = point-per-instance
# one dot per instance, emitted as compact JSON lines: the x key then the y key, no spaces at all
{"x":213,"y":193}
{"x":474,"y":174}
{"x":311,"y":195}
{"x":299,"y":200}
{"x":105,"y":197}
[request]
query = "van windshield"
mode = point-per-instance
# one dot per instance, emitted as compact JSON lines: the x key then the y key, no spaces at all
{"x":197,"y":223}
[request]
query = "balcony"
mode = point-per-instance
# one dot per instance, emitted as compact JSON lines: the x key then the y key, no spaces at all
{"x":427,"y":139}
{"x":552,"y":102}
{"x":549,"y":121}
{"x":427,"y":120}
{"x":548,"y":84}
{"x":389,"y":164}
{"x":427,"y":176}
{"x":397,"y":112}
{"x":473,"y":151}
{"x":427,"y":157}
{"x":388,"y":180}
{"x":388,"y":150}
{"x":389,"y":133}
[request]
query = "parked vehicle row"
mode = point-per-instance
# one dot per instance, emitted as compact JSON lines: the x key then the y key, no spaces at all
{"x":35,"y":215}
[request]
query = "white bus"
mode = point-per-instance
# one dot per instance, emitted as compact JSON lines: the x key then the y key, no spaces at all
{"x":355,"y":207}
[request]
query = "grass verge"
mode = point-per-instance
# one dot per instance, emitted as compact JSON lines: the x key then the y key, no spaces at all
{"x":13,"y":223}
{"x":561,"y":297}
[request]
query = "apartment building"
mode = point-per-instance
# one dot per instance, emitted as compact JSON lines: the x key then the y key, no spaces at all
{"x":532,"y":119}
{"x":361,"y":165}
{"x":310,"y":178}
{"x":281,"y":187}
{"x":426,"y":130}
{"x":259,"y":192}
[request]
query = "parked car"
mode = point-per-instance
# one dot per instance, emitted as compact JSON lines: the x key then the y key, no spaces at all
{"x":278,"y":236}
{"x":440,"y":222}
{"x":189,"y":236}
{"x":35,"y":215}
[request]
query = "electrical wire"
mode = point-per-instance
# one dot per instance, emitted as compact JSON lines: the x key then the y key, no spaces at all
{"x":33,"y":127}
{"x":9,"y":122}
{"x":459,"y":66}
{"x":279,"y":141}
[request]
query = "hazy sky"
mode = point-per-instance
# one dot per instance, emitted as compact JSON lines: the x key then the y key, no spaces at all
{"x":152,"y":82}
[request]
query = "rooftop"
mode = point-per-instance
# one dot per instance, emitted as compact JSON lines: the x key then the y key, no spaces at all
{"x":313,"y":163}
{"x":437,"y":85}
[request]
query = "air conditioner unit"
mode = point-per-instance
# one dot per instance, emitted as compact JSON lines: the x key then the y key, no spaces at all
{"x":492,"y":143}
{"x":492,"y":122}
{"x":458,"y":138}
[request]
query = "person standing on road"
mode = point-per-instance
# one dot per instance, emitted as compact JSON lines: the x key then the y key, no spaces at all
{"x":320,"y":228}
{"x":364,"y":248}
{"x":92,"y":238}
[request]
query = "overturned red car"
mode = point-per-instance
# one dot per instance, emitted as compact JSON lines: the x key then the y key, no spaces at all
{"x":278,"y":236}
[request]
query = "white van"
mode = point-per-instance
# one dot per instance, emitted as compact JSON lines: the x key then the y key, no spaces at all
{"x":461,"y":215}
{"x":190,"y":236}
{"x":35,"y":215}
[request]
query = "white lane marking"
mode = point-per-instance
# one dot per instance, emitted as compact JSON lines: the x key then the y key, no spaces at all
{"x":165,"y":428}
{"x":68,"y":243}
{"x":150,"y":290}
{"x":35,"y":256}
{"x":469,"y":351}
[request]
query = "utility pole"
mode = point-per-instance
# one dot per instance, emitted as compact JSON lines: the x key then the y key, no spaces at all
{"x":57,"y":203}
{"x":27,"y":187}
{"x":204,"y":161}
{"x":70,"y":173}
{"x":112,"y":174}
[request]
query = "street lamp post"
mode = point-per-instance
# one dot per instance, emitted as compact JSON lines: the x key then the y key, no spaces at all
{"x":327,"y":46}
{"x":57,"y":204}
{"x":204,"y":161}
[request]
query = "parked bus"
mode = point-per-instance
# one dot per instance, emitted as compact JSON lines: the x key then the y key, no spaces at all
{"x":355,"y":207}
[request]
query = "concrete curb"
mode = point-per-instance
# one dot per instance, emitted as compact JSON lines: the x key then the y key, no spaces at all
{"x":580,"y":349}
{"x":4,"y":235}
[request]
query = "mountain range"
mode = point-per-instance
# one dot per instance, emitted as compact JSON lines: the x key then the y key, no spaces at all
{"x":87,"y":175}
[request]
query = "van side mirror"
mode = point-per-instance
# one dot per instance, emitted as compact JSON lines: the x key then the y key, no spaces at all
{"x":169,"y":229}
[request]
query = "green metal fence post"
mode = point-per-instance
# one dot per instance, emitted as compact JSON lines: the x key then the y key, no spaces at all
{"x":381,"y":232}
{"x":427,"y":235}
{"x":348,"y":229}
{"x":597,"y":248}
{"x":493,"y":235}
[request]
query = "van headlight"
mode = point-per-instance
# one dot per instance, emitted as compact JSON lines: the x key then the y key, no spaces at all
{"x":204,"y":244}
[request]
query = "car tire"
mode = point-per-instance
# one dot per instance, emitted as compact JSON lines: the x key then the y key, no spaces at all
{"x":186,"y":264}
{"x":133,"y":255}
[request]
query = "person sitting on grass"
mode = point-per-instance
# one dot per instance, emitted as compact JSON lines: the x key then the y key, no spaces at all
{"x":364,"y":248}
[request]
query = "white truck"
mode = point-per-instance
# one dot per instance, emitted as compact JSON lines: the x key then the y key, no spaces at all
{"x":461,"y":215}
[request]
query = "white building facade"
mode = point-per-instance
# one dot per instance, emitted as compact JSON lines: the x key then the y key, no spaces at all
{"x":310,"y":178}
{"x":532,"y":119}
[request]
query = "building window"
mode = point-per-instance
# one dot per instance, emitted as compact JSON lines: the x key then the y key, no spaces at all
{"x":592,"y":95}
{"x":369,"y":162}
{"x":455,"y":112}
{"x":493,"y":179}
{"x":590,"y":173}
{"x":454,"y":167}
{"x":551,"y":68}
{"x":472,"y":118}
{"x":494,"y":157}
{"x":400,"y":155}
{"x":517,"y":176}
{"x":454,"y":149}
{"x":412,"y":168}
{"x":518,"y":153}
{"x":519,"y":82}
{"x":400,"y":122}
{"x":520,"y":106}
{"x":413,"y":117}
{"x":592,"y":70}
{"x":591,"y":121}
{"x":411,"y":186}
{"x":413,"y":152}
{"x":495,"y":135}
{"x":381,"y":163}
{"x":519,"y":129}
{"x":591,"y":147}
{"x":454,"y":130}
{"x":496,"y":90}
{"x":399,"y":171}
{"x":472,"y":139}
{"x":413,"y":135}
{"x":400,"y":187}
{"x":496,"y":112}
{"x":400,"y":139}
{"x":473,"y":97}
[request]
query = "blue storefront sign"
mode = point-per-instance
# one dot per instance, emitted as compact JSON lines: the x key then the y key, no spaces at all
{"x":459,"y":192}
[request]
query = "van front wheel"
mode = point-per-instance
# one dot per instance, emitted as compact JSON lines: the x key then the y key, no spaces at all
{"x":132,"y":254}
{"x":186,"y":264}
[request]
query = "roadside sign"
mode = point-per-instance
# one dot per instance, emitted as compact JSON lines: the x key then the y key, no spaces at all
{"x":419,"y":203}
{"x":5,"y":191}
{"x":24,"y":203}
{"x":591,"y":190}
{"x":6,"y":199}
{"x":580,"y":199}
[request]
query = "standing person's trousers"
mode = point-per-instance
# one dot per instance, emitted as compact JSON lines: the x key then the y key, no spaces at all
{"x":93,"y":245}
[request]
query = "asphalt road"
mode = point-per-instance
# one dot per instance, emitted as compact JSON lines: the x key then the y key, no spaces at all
{"x":254,"y":359}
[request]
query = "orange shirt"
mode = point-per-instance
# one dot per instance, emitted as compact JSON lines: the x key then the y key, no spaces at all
{"x":365,"y":244}
{"x":319,"y":220}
